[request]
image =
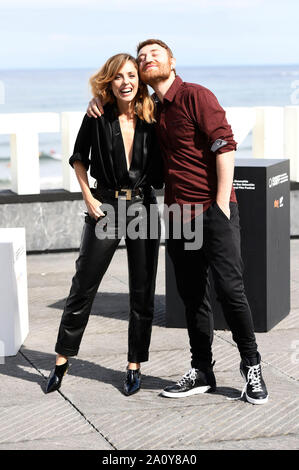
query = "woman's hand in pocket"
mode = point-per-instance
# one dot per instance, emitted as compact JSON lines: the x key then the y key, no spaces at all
{"x":94,"y":209}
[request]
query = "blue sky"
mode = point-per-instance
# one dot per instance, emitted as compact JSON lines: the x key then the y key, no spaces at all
{"x":83,"y":33}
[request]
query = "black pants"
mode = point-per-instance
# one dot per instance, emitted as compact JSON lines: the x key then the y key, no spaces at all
{"x":221,"y":252}
{"x":93,"y":261}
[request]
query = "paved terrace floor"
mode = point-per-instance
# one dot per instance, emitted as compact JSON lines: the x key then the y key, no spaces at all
{"x":90,"y":412}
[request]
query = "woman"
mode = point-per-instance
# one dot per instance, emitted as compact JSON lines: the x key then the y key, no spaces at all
{"x":126,"y":163}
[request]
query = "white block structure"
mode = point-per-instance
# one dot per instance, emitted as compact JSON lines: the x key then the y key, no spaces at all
{"x":70,"y":125}
{"x":291,"y":140}
{"x":23,"y":129}
{"x":268,"y":132}
{"x":14,"y":324}
{"x":242,"y":120}
{"x":275,"y":134}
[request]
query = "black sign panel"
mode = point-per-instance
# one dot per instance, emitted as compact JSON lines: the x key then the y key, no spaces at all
{"x":263,"y":191}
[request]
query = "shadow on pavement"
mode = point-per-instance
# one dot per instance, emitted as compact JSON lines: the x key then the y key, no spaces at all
{"x":116,"y":306}
{"x":16,"y":367}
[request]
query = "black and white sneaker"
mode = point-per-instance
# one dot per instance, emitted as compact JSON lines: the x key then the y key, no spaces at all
{"x":255,"y":389}
{"x":193,"y":382}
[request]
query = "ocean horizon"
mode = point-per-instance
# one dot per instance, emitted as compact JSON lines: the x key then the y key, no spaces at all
{"x":57,"y":90}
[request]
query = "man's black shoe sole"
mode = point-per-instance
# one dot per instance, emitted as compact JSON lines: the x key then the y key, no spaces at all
{"x":193,"y":391}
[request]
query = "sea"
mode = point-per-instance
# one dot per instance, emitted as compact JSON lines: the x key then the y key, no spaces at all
{"x":32,"y":91}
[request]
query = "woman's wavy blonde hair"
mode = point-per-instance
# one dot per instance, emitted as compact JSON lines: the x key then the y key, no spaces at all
{"x":100,"y":84}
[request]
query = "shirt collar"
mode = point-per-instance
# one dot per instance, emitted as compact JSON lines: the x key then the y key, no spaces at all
{"x":171,"y":92}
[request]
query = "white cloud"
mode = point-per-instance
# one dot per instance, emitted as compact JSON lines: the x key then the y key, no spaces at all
{"x":121,"y":5}
{"x":2,"y":97}
{"x":198,"y":31}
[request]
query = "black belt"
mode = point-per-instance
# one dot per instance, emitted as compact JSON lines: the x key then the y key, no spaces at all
{"x":123,"y":193}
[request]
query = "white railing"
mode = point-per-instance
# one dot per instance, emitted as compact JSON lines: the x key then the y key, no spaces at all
{"x":275,"y":135}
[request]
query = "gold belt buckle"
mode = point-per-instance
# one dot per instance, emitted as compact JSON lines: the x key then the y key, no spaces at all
{"x":128,"y":192}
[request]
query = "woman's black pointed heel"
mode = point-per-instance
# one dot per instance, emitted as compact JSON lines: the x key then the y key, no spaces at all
{"x":132,"y":381}
{"x":56,"y":376}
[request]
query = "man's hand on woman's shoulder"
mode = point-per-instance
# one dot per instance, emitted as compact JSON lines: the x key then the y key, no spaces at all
{"x":95,"y":108}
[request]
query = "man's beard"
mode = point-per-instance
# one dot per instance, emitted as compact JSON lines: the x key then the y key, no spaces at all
{"x":150,"y":77}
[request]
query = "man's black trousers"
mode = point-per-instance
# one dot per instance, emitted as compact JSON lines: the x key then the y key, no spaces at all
{"x":220,"y":252}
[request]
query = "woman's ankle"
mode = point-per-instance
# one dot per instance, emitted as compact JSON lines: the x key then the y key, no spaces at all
{"x":60,"y":360}
{"x":133,"y":365}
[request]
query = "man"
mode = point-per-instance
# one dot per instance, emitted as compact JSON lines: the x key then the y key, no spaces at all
{"x":198,"y":151}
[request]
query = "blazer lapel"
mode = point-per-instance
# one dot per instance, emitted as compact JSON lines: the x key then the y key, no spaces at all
{"x":139,"y":150}
{"x":110,"y":130}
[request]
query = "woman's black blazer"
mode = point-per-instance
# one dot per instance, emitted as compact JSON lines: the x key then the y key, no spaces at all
{"x":99,"y":145}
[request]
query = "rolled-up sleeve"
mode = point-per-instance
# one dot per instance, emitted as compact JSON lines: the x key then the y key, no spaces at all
{"x":211,"y":119}
{"x":82,"y":144}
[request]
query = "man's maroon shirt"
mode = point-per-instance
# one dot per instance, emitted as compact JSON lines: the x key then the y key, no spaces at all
{"x":189,"y":121}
